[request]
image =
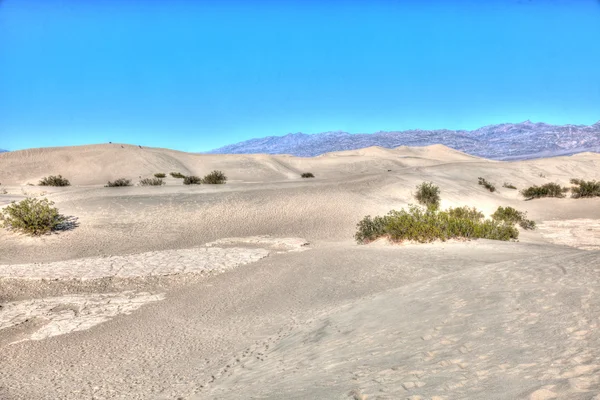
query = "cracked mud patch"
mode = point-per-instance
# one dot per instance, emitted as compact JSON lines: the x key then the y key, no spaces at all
{"x":207,"y":259}
{"x":582,"y":233}
{"x":43,"y":318}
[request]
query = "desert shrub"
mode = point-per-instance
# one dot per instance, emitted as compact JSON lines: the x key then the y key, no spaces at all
{"x":152,"y":182}
{"x":54,"y":181}
{"x":370,"y":229}
{"x":509,"y":185}
{"x":32,"y":216}
{"x":119,"y":183}
{"x":214,"y":178}
{"x":192,"y":180}
{"x":487,"y":184}
{"x":465,"y":213}
{"x":527,"y":224}
{"x":307,"y":175}
{"x":546,"y":190}
{"x":512,"y":216}
{"x":177,"y":175}
{"x":160,"y":175}
{"x":585,"y":188}
{"x":428,"y":195}
{"x":428,"y":224}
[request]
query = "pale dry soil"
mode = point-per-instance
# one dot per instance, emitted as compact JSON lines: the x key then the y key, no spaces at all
{"x":256,"y":290}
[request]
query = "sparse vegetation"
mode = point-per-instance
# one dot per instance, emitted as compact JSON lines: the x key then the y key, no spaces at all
{"x":583,"y":188}
{"x":546,"y":190}
{"x":151,"y":182}
{"x":214,"y":178}
{"x":32,"y":216}
{"x":428,"y":224}
{"x":54,"y":181}
{"x":160,"y":175}
{"x":487,"y":185}
{"x":192,"y":180}
{"x":512,"y":216}
{"x":428,"y":195}
{"x":119,"y":183}
{"x":177,"y":175}
{"x":509,"y":185}
{"x":308,"y":175}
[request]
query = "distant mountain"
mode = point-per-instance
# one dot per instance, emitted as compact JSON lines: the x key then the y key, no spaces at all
{"x":500,"y":142}
{"x":3,"y":151}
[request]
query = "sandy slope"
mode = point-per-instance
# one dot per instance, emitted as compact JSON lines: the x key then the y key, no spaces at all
{"x":457,"y":320}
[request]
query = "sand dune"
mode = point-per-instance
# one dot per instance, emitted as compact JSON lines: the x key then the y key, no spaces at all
{"x":96,"y":164}
{"x":194,"y":292}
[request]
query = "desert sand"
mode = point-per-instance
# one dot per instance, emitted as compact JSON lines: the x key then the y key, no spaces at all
{"x":256,"y":289}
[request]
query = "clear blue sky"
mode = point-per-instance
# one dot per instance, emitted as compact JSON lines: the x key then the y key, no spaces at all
{"x":195,"y":75}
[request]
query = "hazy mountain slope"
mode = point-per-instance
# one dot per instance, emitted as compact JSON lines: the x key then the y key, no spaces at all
{"x":3,"y":151}
{"x":503,"y":141}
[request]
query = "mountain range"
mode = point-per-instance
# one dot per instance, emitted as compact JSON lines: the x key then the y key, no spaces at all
{"x":509,"y":141}
{"x":3,"y":151}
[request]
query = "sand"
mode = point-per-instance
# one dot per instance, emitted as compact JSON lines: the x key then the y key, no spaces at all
{"x":255,"y":289}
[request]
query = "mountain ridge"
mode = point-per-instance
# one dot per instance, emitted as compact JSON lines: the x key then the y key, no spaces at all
{"x":506,"y":141}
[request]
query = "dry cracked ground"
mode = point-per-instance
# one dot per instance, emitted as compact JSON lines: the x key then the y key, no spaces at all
{"x":256,"y":290}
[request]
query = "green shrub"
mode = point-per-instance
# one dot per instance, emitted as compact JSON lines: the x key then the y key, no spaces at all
{"x":370,"y":229}
{"x":119,"y":183}
{"x":512,"y":216}
{"x":426,"y":225}
{"x":177,"y":175}
{"x":465,"y":213}
{"x":152,"y":182}
{"x":160,"y":175}
{"x":54,"y":181}
{"x":32,"y":216}
{"x":428,"y":195}
{"x":546,"y":190}
{"x":487,"y":185}
{"x":585,"y":188}
{"x":307,"y":175}
{"x":509,"y":185}
{"x":214,"y":178}
{"x":192,"y":180}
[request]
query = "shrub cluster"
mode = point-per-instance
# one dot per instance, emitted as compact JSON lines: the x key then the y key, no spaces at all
{"x":152,"y":182}
{"x":426,"y":225}
{"x":160,"y":175}
{"x":177,"y":175}
{"x":119,"y":183}
{"x":307,"y":175}
{"x":192,"y":180}
{"x":487,"y":184}
{"x":54,"y":181}
{"x":214,"y":178}
{"x":585,"y":188}
{"x":512,"y":216}
{"x":32,"y":216}
{"x":509,"y":185}
{"x":546,"y":190}
{"x":428,"y":195}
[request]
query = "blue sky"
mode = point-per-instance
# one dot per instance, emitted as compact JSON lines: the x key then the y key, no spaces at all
{"x":196,"y":75}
